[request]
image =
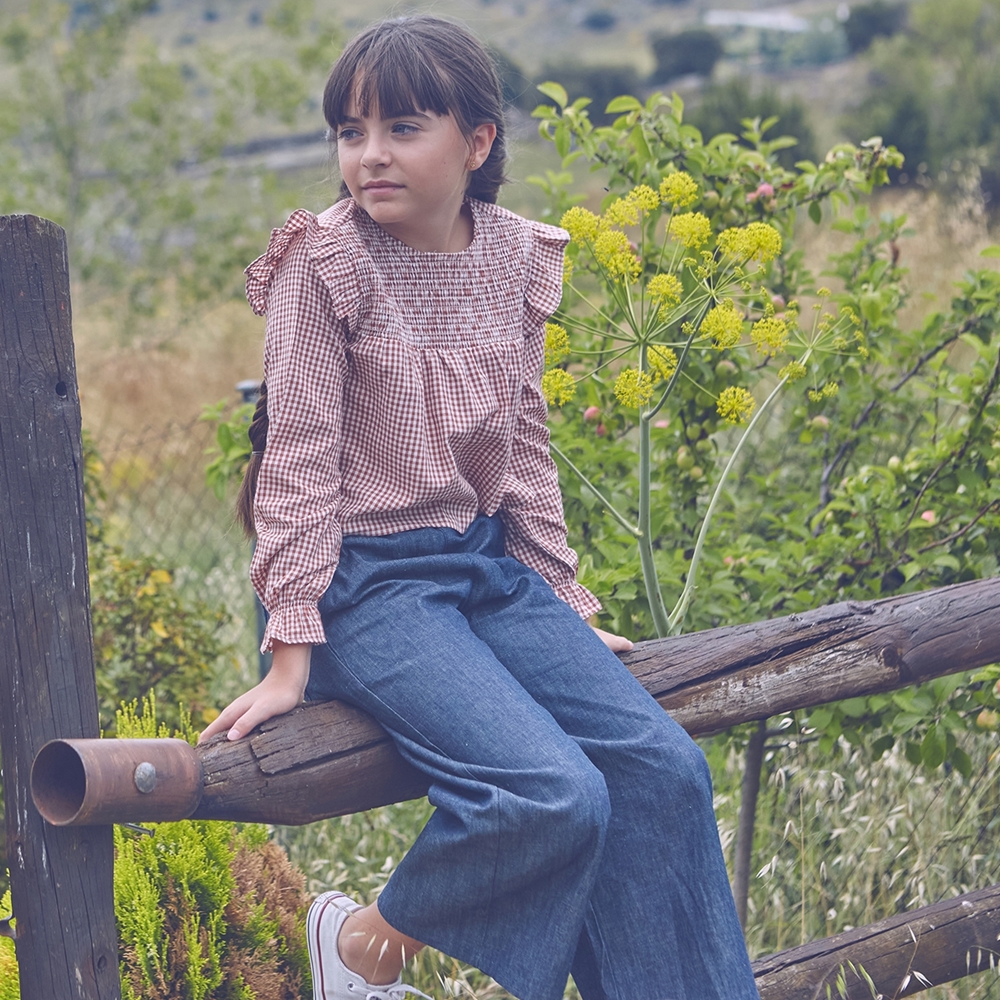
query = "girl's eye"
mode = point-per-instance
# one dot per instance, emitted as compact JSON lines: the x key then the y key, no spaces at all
{"x":347,"y":133}
{"x":403,"y":128}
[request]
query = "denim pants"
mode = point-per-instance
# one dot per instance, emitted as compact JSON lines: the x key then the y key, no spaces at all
{"x":573,"y":829}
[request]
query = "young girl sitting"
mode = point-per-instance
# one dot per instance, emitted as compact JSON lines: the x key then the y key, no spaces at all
{"x":411,"y":552}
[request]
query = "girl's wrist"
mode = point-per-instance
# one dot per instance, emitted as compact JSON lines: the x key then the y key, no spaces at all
{"x":290,"y":664}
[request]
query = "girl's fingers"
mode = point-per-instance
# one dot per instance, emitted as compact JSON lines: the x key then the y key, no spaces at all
{"x":616,"y":643}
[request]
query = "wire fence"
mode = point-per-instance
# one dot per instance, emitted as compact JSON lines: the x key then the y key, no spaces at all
{"x":156,"y":503}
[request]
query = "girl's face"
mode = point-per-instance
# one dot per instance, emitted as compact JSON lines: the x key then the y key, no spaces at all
{"x":410,"y":174}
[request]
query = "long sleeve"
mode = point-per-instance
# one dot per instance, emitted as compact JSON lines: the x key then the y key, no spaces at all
{"x":295,"y":508}
{"x":536,"y":526}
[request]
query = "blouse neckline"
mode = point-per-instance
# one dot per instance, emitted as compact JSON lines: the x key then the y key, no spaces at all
{"x":398,"y":246}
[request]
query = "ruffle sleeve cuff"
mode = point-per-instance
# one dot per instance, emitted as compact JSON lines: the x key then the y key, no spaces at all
{"x":581,"y":600}
{"x":294,"y":624}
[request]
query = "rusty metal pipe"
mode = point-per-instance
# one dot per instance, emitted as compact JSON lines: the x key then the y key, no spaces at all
{"x":92,"y":782}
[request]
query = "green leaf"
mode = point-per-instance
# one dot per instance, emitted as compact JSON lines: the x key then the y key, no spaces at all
{"x":815,"y":212}
{"x":820,"y":718}
{"x":563,"y":139}
{"x":622,"y":104}
{"x":962,"y":762}
{"x":993,"y":251}
{"x":932,"y":750}
{"x":555,"y":92}
{"x":913,"y":752}
{"x":882,"y":745}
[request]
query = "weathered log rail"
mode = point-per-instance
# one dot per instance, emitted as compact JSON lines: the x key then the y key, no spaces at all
{"x":328,"y":759}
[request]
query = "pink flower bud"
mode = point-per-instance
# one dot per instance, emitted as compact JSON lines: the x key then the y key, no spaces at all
{"x":728,"y":561}
{"x":778,"y":301}
{"x":764,"y":191}
{"x":661,"y":423}
{"x":929,"y":516}
{"x":591,"y":413}
{"x":600,"y":430}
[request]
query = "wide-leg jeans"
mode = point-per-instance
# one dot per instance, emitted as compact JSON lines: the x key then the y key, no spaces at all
{"x":573,"y":829}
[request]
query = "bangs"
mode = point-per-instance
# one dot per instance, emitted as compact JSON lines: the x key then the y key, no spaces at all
{"x":390,"y":78}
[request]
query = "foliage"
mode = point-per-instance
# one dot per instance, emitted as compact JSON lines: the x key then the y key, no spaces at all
{"x":935,"y":89}
{"x":876,"y":473}
{"x":868,"y":21}
{"x":146,"y":633}
{"x":722,"y":107}
{"x":124,"y":150}
{"x":9,"y":987}
{"x":679,"y":265}
{"x":206,"y":910}
{"x":600,"y":83}
{"x":232,"y":444}
{"x":695,"y":50}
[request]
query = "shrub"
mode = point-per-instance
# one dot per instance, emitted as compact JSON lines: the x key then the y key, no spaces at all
{"x":871,"y":20}
{"x":600,"y":83}
{"x":696,"y":50}
{"x":724,"y":106}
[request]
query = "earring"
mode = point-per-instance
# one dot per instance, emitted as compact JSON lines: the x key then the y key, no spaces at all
{"x":472,"y":165}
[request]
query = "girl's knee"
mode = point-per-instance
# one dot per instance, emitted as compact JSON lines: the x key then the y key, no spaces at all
{"x":577,"y":809}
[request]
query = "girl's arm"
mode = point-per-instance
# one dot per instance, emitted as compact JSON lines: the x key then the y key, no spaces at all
{"x":279,"y":692}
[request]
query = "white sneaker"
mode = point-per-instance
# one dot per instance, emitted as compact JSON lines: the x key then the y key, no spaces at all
{"x":332,"y":980}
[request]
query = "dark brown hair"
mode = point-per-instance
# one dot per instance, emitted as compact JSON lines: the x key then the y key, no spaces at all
{"x":423,"y":63}
{"x":258,"y":440}
{"x":397,"y":67}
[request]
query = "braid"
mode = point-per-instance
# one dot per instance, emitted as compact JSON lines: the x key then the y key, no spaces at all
{"x":257,"y":433}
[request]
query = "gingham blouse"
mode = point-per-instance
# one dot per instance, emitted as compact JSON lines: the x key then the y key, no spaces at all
{"x":403,"y":392}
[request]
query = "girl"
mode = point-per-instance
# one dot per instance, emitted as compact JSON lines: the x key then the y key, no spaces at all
{"x":411,"y":551}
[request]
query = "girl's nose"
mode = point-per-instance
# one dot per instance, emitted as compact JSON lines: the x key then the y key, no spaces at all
{"x":375,"y":153}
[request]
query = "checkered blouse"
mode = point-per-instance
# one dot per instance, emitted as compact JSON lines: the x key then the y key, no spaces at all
{"x":403,"y":392}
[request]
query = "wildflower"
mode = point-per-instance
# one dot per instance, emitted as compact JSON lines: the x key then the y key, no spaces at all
{"x":828,"y":390}
{"x":644,"y":198}
{"x":757,"y":241}
{"x":662,"y":361}
{"x":764,"y":190}
{"x":735,"y":404}
{"x":824,"y":293}
{"x":724,"y":324}
{"x":770,"y":335}
{"x":558,"y":386}
{"x":793,"y":371}
{"x":581,"y":225}
{"x":679,"y":190}
{"x":614,"y":253}
{"x":556,"y":344}
{"x":633,"y":388}
{"x":622,"y":212}
{"x":929,"y":516}
{"x":665,"y":290}
{"x":591,"y":413}
{"x":692,"y":229}
{"x":567,"y":269}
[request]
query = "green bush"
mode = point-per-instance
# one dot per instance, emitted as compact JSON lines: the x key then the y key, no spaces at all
{"x":723,"y":107}
{"x":696,"y":50}
{"x":869,"y":21}
{"x":600,"y":83}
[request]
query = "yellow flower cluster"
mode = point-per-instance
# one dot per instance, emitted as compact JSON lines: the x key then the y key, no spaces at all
{"x":581,"y":225}
{"x":757,"y":241}
{"x":828,"y":390}
{"x":614,"y":253}
{"x":793,"y":371}
{"x":724,"y":324}
{"x":735,"y":404}
{"x":692,"y":229}
{"x":556,"y":344}
{"x":663,"y":362}
{"x":679,"y":190}
{"x":625,"y":211}
{"x":567,"y":269}
{"x":665,"y":290}
{"x":558,"y":386}
{"x":633,"y":388}
{"x":770,"y":335}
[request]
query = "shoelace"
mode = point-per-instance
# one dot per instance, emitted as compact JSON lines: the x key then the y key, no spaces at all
{"x":396,"y":991}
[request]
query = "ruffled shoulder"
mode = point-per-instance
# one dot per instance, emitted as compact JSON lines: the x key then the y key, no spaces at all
{"x":334,"y":249}
{"x":544,"y":289}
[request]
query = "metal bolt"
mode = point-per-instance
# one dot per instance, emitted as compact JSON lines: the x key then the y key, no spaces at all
{"x":145,"y":777}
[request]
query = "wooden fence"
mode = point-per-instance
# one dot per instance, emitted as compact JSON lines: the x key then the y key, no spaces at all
{"x":328,"y":759}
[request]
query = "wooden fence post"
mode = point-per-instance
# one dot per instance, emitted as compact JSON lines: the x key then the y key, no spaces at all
{"x":61,"y":878}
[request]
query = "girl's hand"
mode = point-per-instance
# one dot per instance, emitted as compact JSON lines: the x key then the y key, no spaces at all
{"x":616,"y":643}
{"x":279,"y":692}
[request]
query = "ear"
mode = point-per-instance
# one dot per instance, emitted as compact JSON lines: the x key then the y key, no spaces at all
{"x":480,"y":144}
